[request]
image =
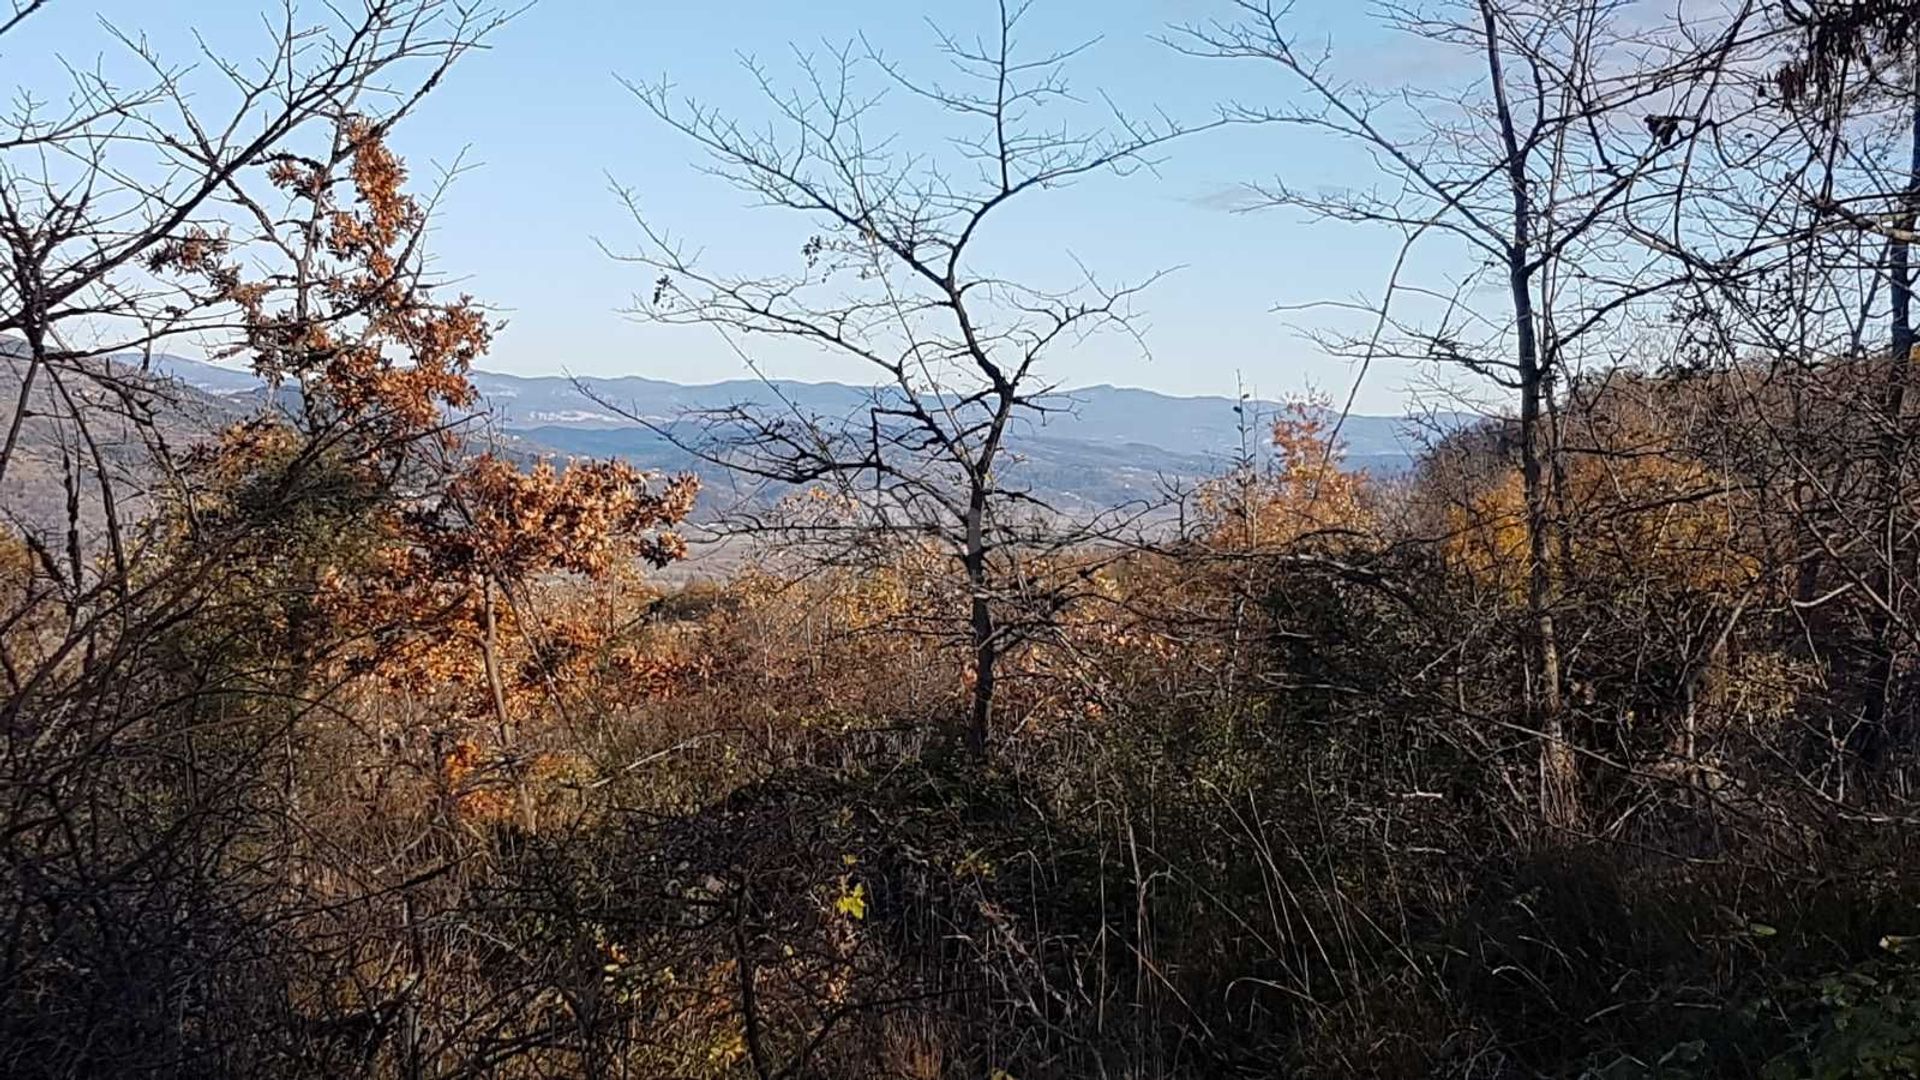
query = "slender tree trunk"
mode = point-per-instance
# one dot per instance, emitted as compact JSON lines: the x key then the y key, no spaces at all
{"x":981,"y":636}
{"x":1559,"y":779}
{"x":745,"y":971}
{"x":412,"y":1066}
{"x":496,"y":685}
{"x":1894,"y":549}
{"x":490,"y":659}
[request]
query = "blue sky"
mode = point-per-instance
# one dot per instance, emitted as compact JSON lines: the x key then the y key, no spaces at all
{"x":545,"y":124}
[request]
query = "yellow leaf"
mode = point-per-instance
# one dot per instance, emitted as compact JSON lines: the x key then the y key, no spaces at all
{"x":852,"y":902}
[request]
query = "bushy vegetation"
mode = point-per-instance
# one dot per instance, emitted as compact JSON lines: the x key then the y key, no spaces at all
{"x":354,"y":746}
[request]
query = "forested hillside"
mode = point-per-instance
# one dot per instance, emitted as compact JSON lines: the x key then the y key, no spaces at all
{"x":1094,"y":446}
{"x":347,"y":733}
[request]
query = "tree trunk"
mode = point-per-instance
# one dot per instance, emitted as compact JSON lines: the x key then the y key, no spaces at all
{"x":981,"y":636}
{"x":1559,"y":777}
{"x":1559,"y":774}
{"x":490,"y":659}
{"x":1894,"y":549}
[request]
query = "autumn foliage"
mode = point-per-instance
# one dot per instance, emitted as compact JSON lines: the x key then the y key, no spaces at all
{"x":1253,"y":783}
{"x":359,"y":742}
{"x":420,"y":565}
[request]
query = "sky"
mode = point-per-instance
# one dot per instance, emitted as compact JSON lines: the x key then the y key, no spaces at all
{"x":544,"y":128}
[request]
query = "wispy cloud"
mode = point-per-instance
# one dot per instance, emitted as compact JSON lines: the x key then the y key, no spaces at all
{"x":1228,"y":199}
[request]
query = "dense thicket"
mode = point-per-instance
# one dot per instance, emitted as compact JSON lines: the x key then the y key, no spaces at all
{"x":340,"y":743}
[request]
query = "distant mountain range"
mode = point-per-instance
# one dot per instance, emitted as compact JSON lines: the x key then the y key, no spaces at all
{"x":1105,"y":445}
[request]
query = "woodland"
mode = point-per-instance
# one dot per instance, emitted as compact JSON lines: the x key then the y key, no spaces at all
{"x":345,"y":739}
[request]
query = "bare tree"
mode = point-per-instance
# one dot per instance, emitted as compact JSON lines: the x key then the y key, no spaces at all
{"x":1854,"y":61}
{"x":1795,"y":233}
{"x":893,"y":277}
{"x":1568,"y":125}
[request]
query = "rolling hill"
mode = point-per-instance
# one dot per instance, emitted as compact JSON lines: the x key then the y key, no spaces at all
{"x":1105,"y":445}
